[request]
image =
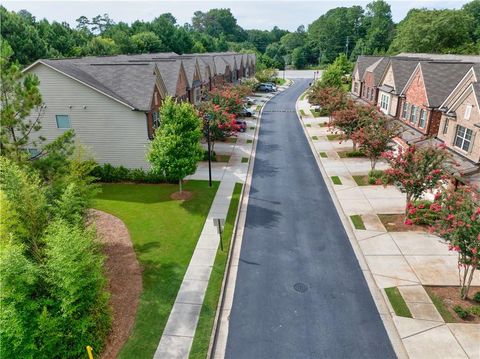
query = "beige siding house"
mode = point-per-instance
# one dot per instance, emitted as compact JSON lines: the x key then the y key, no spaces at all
{"x":111,"y":130}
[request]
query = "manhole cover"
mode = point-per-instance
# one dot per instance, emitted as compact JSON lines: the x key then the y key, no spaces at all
{"x":300,"y":287}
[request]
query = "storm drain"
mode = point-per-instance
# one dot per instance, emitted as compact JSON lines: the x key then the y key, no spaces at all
{"x":300,"y":287}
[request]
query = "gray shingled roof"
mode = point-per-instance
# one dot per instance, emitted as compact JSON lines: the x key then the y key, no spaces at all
{"x":440,"y":79}
{"x":377,"y":68}
{"x":169,"y":70}
{"x":131,"y":84}
{"x":436,"y":57}
{"x":402,"y":70}
{"x":189,"y":64}
{"x":363,"y":62}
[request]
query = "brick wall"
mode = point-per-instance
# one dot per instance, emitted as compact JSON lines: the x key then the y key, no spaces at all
{"x":181,"y":91}
{"x":369,"y":91}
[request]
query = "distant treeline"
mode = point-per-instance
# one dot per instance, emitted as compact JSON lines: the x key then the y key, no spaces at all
{"x":351,"y":30}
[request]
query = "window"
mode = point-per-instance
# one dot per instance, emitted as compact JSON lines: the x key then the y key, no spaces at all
{"x":155,"y":119}
{"x":384,"y":100}
{"x":156,"y":99}
{"x":33,"y":152}
{"x":468,"y":111}
{"x":371,"y":94}
{"x":445,"y":126}
{"x":405,"y":110}
{"x":463,"y":138}
{"x":63,"y":121}
{"x":355,"y":87}
{"x":413,"y":114}
{"x":423,"y":118}
{"x":197,"y":95}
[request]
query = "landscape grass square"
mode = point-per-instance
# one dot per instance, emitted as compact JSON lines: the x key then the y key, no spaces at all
{"x":336,"y":180}
{"x":334,"y":137}
{"x":249,"y":141}
{"x":323,"y":154}
{"x":398,"y":303}
{"x":315,"y":138}
{"x":244,"y":159}
{"x":357,"y":221}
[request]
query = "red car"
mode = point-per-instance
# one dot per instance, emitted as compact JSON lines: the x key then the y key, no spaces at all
{"x":242,"y":125}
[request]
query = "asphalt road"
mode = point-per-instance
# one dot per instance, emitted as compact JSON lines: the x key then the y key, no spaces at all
{"x":294,"y":238}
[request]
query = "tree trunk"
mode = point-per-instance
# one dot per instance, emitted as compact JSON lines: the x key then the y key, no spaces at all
{"x":465,"y":279}
{"x":180,"y":184}
{"x":354,"y":146}
{"x":373,"y":163}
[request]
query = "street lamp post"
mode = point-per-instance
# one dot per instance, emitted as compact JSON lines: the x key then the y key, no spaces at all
{"x":207,"y":120}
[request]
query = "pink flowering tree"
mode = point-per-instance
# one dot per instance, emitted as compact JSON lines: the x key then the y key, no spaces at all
{"x":374,"y":136}
{"x":459,"y":225}
{"x":416,"y":169}
{"x":222,"y":124}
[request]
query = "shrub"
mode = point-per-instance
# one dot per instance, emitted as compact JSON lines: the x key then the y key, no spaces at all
{"x":355,"y":154}
{"x":377,"y":177}
{"x":461,"y":312}
{"x":420,"y":212}
{"x":476,"y":297}
{"x":109,"y":173}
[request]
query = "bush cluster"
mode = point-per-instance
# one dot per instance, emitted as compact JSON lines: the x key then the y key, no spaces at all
{"x":109,"y":173}
{"x":377,"y":177}
{"x":53,"y":300}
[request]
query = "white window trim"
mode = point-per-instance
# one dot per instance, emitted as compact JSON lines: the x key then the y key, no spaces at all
{"x":468,"y":112}
{"x":69,"y":122}
{"x":463,"y":138}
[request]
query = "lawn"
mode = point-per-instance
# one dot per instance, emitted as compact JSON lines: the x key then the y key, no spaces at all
{"x":210,"y":303}
{"x":303,"y":112}
{"x":164,"y":233}
{"x":397,"y":302}
{"x":334,"y":137}
{"x":323,"y":154}
{"x":336,"y":180}
{"x":357,"y":221}
{"x":244,"y":159}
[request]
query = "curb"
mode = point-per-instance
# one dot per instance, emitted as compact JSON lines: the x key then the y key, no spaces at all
{"x":243,"y":203}
{"x":377,"y":295}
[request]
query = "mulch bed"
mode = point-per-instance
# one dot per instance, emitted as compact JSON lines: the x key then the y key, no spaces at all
{"x":181,"y":196}
{"x":450,"y":297}
{"x":396,"y":223}
{"x":124,"y":276}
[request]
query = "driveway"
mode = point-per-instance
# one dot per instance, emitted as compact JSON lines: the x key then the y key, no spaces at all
{"x":300,"y":292}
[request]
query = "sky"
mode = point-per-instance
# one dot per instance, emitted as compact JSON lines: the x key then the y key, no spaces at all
{"x":261,"y":14}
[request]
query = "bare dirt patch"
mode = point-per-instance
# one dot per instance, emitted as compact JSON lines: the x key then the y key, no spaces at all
{"x":449,"y":298}
{"x":181,"y":196}
{"x":396,"y":223}
{"x":124,"y":278}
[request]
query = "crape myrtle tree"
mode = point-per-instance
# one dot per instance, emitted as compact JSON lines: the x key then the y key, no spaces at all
{"x":175,"y":150}
{"x":417,"y":169}
{"x":374,"y":136}
{"x":330,"y":99}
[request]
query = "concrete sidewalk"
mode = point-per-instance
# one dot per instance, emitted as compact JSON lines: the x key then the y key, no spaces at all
{"x":177,"y":337}
{"x":407,"y":260}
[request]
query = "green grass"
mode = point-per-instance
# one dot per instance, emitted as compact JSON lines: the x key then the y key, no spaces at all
{"x":361,"y":180}
{"x":398,"y":303}
{"x":249,"y":141}
{"x":280,"y":81}
{"x":164,"y":233}
{"x":323,"y":154}
{"x":336,"y":180}
{"x":438,"y":303}
{"x":357,"y":221}
{"x":210,"y":303}
{"x":252,"y":127}
{"x":303,"y":96}
{"x":315,"y":113}
{"x":323,"y":124}
{"x":334,"y":137}
{"x":244,"y":159}
{"x":231,"y":140}
{"x":350,"y":154}
{"x":315,"y":138}
{"x":223,"y":158}
{"x":259,"y":107}
{"x":302,"y":112}
{"x":308,"y":125}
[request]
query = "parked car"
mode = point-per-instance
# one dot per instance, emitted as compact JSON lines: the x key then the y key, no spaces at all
{"x":242,"y":125}
{"x":266,"y":88}
{"x":245,"y":112}
{"x":273,"y":84}
{"x":250,"y":101}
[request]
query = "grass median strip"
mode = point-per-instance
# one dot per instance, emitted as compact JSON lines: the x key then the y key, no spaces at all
{"x":210,"y":303}
{"x":336,"y":180}
{"x":164,"y":233}
{"x":244,"y":159}
{"x":398,"y":303}
{"x":323,"y":154}
{"x":357,"y":221}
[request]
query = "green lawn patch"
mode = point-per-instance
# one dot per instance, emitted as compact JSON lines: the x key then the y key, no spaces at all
{"x":334,"y":137}
{"x":303,"y":96}
{"x":210,"y":303}
{"x":308,"y":125}
{"x":244,"y":159}
{"x":361,"y":180}
{"x":223,"y":158}
{"x":398,"y":303}
{"x":323,"y":154}
{"x":231,"y":140}
{"x":323,"y":124}
{"x":249,"y":141}
{"x":252,"y":127}
{"x":315,"y":113}
{"x":357,"y":221}
{"x":280,"y":81}
{"x":350,"y":154}
{"x":302,"y":112}
{"x":164,"y":233}
{"x":336,"y":180}
{"x":259,"y":107}
{"x":442,"y":309}
{"x":315,"y":138}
